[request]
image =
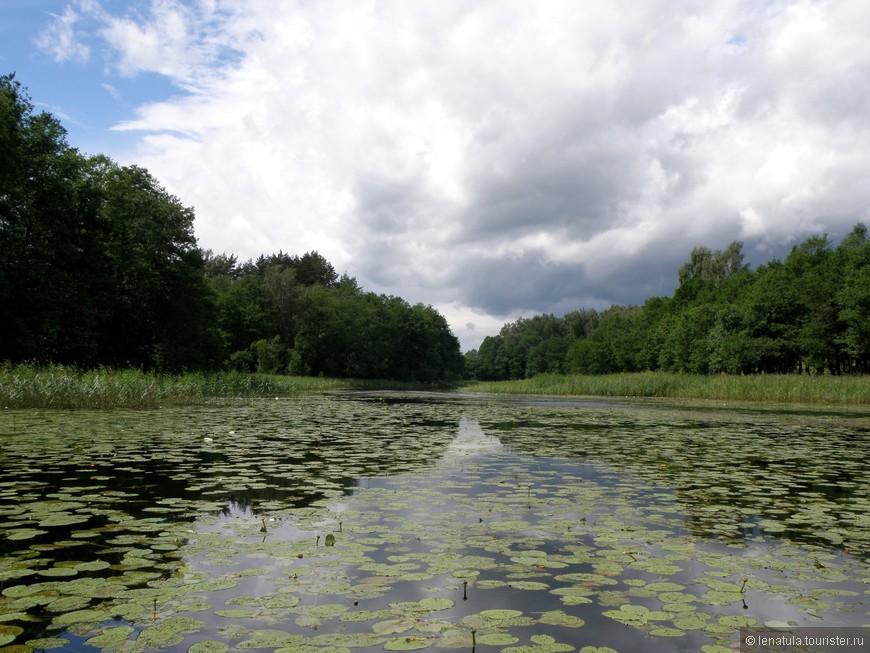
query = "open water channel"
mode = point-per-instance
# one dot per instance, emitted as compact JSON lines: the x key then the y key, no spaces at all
{"x":371,"y":521}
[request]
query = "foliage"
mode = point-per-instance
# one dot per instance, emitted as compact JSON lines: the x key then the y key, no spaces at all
{"x":807,"y":314}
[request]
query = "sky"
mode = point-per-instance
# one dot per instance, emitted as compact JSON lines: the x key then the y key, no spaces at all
{"x":496,"y":159}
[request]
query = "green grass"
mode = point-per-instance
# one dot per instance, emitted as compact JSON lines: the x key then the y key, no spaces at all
{"x":778,"y":388}
{"x":57,"y":386}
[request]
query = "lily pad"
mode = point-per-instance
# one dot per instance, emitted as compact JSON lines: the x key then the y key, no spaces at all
{"x":208,"y":646}
{"x":110,"y":636}
{"x":413,"y":643}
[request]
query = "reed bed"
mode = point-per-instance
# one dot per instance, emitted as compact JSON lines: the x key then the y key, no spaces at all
{"x":775,"y":388}
{"x":57,"y":386}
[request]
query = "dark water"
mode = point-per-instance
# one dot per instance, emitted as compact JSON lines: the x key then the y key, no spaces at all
{"x":409,"y":521}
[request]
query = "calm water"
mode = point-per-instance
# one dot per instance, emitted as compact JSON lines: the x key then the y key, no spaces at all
{"x":408,"y":521}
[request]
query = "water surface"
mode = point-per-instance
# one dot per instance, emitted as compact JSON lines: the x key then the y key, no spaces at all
{"x":365,"y":521}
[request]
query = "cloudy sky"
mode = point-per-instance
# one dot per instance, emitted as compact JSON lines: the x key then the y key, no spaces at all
{"x":494,"y":158}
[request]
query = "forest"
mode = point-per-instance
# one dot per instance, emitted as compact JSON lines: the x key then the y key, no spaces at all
{"x":807,"y":314}
{"x":99,"y":266}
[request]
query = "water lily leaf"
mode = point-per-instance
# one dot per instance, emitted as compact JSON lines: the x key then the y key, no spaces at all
{"x":94,"y":565}
{"x":68,"y":604}
{"x":528,"y":585}
{"x":58,"y":572}
{"x":691,"y":621}
{"x":435,"y":604}
{"x":235,"y":613}
{"x":208,"y":646}
{"x":81,"y":616}
{"x":412,"y":643}
{"x":9,"y":634}
{"x":169,"y":632}
{"x":325,"y":611}
{"x":497,"y":639}
{"x":284,"y":601}
{"x":110,"y":636}
{"x":663,"y":586}
{"x":500,"y":615}
{"x":270,"y":639}
{"x":559,"y":618}
{"x":543,"y":644}
{"x":737,"y":621}
{"x":47,"y":644}
{"x":24,"y":534}
{"x":392,"y":626}
{"x":666,"y":632}
{"x":194,"y":606}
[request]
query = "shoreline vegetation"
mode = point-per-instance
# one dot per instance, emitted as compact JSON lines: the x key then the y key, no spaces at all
{"x":761,"y":388}
{"x":66,"y":387}
{"x":61,"y":386}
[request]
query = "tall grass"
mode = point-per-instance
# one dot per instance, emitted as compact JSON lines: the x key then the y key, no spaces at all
{"x":57,"y":386}
{"x":779,"y":388}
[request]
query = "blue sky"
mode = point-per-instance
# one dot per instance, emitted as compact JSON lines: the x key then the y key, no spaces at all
{"x":86,"y":96}
{"x":495,"y":159}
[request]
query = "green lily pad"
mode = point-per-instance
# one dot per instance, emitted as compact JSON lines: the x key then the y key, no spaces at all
{"x":82,"y":616}
{"x":169,"y":632}
{"x":500,"y":615}
{"x":9,"y":634}
{"x":542,"y":644}
{"x":208,"y":646}
{"x":47,"y":644}
{"x":497,"y":639}
{"x":235,"y":613}
{"x":413,"y":643}
{"x":559,"y":618}
{"x":110,"y":636}
{"x":24,"y":534}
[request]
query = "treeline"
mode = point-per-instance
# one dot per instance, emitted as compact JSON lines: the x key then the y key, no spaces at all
{"x":807,"y":314}
{"x":294,"y":314}
{"x":99,"y":267}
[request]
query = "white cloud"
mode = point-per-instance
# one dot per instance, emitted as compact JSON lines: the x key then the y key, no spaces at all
{"x":500,"y":157}
{"x":60,"y":41}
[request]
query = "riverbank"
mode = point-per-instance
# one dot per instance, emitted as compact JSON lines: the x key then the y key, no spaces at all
{"x":775,"y":388}
{"x":58,"y":386}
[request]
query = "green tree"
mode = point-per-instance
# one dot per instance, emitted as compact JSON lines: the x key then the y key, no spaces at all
{"x":47,"y":233}
{"x":713,"y":267}
{"x":162,"y":315}
{"x":548,"y":356}
{"x":492,"y":361}
{"x":615,"y":345}
{"x":853,"y":298}
{"x":816,"y":280}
